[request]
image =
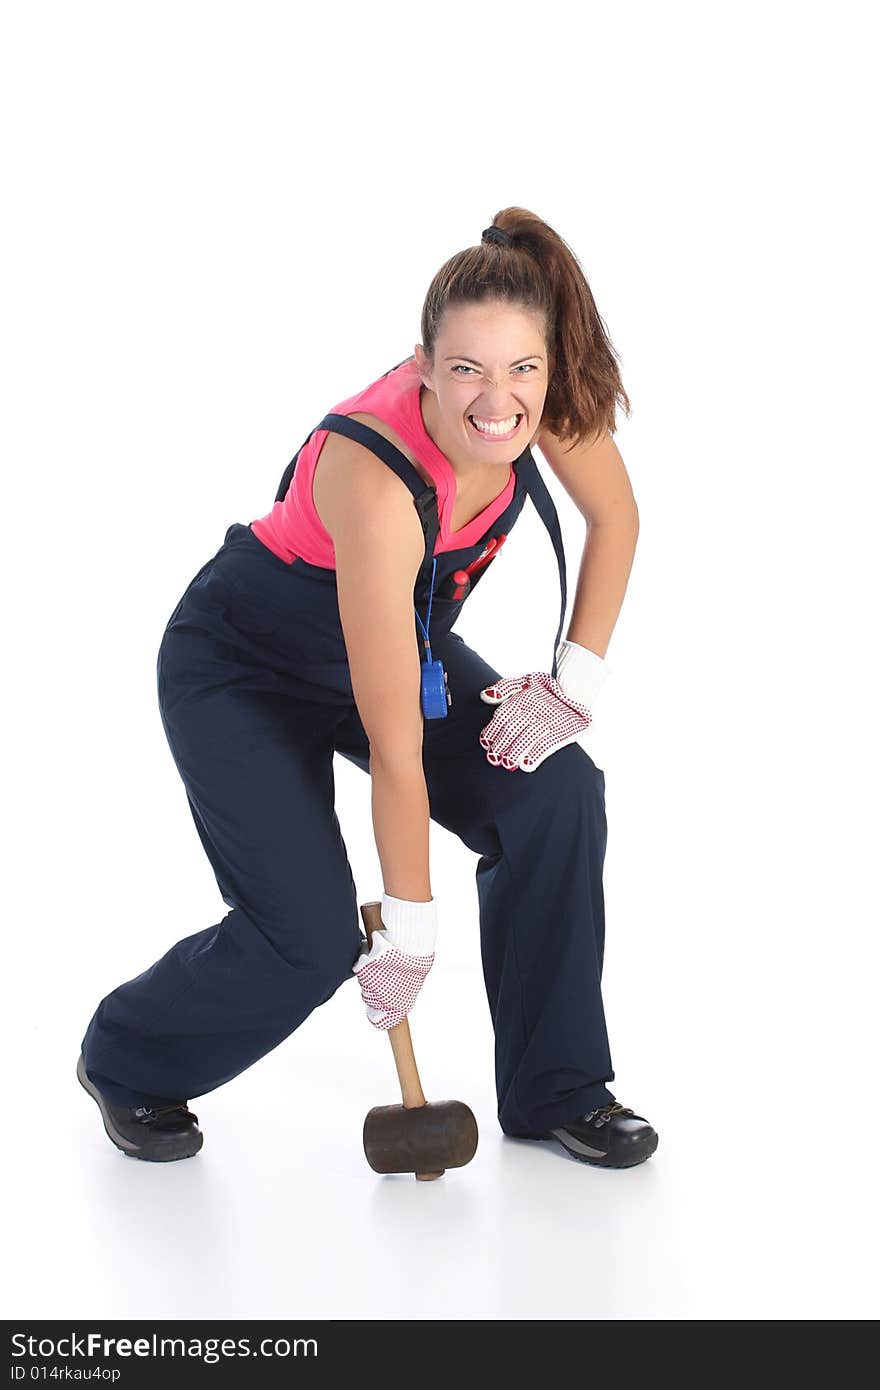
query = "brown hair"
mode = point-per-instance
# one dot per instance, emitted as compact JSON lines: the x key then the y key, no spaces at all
{"x":539,"y":271}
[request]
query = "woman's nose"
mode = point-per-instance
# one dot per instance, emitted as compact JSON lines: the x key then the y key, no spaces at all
{"x":491,"y":387}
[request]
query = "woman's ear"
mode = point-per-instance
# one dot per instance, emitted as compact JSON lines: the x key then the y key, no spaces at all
{"x":424,"y":369}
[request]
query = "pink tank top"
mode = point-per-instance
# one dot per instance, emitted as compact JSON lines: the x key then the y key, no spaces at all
{"x":293,"y":528}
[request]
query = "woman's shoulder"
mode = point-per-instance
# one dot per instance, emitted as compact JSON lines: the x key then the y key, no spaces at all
{"x":344,"y":466}
{"x":350,"y":479}
{"x":388,"y":432}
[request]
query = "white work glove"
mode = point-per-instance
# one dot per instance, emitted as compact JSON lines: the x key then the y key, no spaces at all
{"x":392,"y":971}
{"x":538,"y":714}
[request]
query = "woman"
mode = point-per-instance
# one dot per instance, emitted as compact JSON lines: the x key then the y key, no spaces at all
{"x":296,"y":640}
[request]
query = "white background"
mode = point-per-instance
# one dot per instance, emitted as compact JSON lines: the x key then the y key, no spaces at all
{"x":220,"y":220}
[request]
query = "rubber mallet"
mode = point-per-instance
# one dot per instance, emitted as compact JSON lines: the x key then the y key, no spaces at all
{"x":416,"y":1137}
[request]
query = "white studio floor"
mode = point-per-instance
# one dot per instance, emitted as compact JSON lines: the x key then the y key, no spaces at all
{"x":280,"y":1215}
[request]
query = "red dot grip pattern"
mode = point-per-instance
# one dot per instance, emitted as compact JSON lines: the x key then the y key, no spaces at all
{"x":535,"y":717}
{"x":390,"y":983}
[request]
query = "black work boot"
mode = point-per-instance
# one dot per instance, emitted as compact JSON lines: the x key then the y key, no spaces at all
{"x":157,"y":1135}
{"x":610,"y":1137}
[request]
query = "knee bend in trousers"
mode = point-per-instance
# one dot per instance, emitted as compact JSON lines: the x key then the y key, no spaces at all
{"x":317,"y":947}
{"x":567,"y":789}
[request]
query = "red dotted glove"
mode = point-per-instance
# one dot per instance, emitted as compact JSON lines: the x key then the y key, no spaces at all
{"x":390,"y":980}
{"x":395,"y":967}
{"x":534,"y":718}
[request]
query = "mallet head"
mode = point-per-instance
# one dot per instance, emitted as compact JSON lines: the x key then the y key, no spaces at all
{"x":420,"y":1139}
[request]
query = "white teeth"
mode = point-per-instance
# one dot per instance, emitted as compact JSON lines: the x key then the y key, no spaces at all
{"x":489,"y":427}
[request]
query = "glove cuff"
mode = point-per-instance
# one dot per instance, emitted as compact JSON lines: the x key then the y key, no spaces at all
{"x":411,"y":926}
{"x":580,"y":672}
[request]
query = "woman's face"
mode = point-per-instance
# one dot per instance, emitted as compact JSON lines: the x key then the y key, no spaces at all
{"x":490,"y":369}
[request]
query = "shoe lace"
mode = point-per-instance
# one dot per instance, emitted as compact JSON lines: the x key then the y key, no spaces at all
{"x":605,"y":1112}
{"x":159,"y":1116}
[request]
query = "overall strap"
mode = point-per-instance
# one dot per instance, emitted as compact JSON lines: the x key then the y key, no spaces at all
{"x":289,"y":470}
{"x":424,"y":494}
{"x":537,"y":489}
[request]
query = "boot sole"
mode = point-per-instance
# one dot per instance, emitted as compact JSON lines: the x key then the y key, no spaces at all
{"x":605,"y":1162}
{"x":594,"y":1160}
{"x":128,"y":1146}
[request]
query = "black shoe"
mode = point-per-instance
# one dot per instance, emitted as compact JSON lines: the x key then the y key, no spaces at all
{"x":158,"y":1135}
{"x":610,"y":1137}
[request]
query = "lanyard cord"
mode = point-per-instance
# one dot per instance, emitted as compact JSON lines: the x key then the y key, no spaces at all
{"x":425,"y":629}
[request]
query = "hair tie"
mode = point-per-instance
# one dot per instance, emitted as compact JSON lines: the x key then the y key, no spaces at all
{"x":497,"y":234}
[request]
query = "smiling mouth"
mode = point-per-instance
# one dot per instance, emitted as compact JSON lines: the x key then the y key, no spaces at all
{"x":491,"y":430}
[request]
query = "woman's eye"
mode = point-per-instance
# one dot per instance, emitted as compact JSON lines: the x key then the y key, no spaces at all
{"x":528,"y":366}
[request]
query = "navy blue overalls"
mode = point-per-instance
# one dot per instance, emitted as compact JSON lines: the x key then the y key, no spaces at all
{"x":255,"y":698}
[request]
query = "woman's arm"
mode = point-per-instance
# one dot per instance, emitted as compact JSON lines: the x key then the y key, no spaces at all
{"x":595,"y":478}
{"x":601,"y":585}
{"x":379,"y":546}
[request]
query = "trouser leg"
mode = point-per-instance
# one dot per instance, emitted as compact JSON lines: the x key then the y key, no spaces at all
{"x":258,"y":773}
{"x":541,"y":838}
